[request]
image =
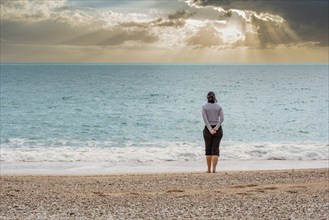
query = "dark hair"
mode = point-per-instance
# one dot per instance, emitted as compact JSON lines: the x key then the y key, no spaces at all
{"x":211,"y":97}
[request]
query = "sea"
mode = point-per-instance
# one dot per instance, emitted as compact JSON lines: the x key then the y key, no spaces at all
{"x":148,"y":114}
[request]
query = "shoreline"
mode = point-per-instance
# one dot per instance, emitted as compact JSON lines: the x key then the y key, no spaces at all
{"x":279,"y":194}
{"x":103,"y":168}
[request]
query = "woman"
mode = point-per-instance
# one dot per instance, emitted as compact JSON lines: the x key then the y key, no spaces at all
{"x":213,"y":118}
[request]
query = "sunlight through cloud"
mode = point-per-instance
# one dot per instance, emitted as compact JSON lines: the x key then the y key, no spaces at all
{"x":188,"y":25}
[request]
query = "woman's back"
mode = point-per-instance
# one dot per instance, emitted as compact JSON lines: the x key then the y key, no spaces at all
{"x":212,"y":111}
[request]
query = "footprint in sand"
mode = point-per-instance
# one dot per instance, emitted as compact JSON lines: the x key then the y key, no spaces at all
{"x":271,"y":188}
{"x":243,"y":194}
{"x":244,"y":186}
{"x":99,"y":194}
{"x":262,"y":190}
{"x":174,"y":190}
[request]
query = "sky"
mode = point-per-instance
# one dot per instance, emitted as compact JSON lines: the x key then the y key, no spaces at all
{"x":164,"y":31}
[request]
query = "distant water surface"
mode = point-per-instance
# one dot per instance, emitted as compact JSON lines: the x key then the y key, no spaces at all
{"x":148,"y":113}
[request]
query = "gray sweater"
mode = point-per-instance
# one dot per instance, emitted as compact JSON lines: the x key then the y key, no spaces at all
{"x":212,"y":114}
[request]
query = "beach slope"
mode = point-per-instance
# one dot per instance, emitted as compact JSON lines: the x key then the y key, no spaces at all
{"x":285,"y":194}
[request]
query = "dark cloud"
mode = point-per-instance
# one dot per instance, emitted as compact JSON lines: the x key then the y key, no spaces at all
{"x":270,"y":34}
{"x":161,"y":22}
{"x":176,"y":19}
{"x":180,"y":14}
{"x":307,"y":18}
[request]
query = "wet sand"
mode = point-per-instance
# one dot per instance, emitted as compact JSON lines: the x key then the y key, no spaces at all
{"x":284,"y":194}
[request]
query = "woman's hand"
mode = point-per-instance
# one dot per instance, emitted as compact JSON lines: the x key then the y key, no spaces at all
{"x":213,"y":131}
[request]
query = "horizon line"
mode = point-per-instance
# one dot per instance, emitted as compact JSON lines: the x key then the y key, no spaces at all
{"x":164,"y":63}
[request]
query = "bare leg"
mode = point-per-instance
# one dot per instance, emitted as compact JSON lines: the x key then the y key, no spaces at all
{"x":214,"y":163}
{"x":208,"y":158}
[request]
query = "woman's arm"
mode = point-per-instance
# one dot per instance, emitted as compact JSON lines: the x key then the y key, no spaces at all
{"x":205,"y":119}
{"x":221,"y":119}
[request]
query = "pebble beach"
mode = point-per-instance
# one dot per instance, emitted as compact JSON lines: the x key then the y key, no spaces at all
{"x":284,"y":194}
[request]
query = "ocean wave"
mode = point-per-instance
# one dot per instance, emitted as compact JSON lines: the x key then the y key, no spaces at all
{"x":20,"y":150}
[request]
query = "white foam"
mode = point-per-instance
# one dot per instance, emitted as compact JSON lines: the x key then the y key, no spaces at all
{"x":20,"y":151}
{"x":277,"y":151}
{"x":113,"y":155}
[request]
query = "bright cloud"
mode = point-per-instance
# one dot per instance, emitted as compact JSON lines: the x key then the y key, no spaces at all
{"x":194,"y":25}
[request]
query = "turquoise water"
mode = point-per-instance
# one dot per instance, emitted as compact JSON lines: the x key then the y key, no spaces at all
{"x":103,"y":112}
